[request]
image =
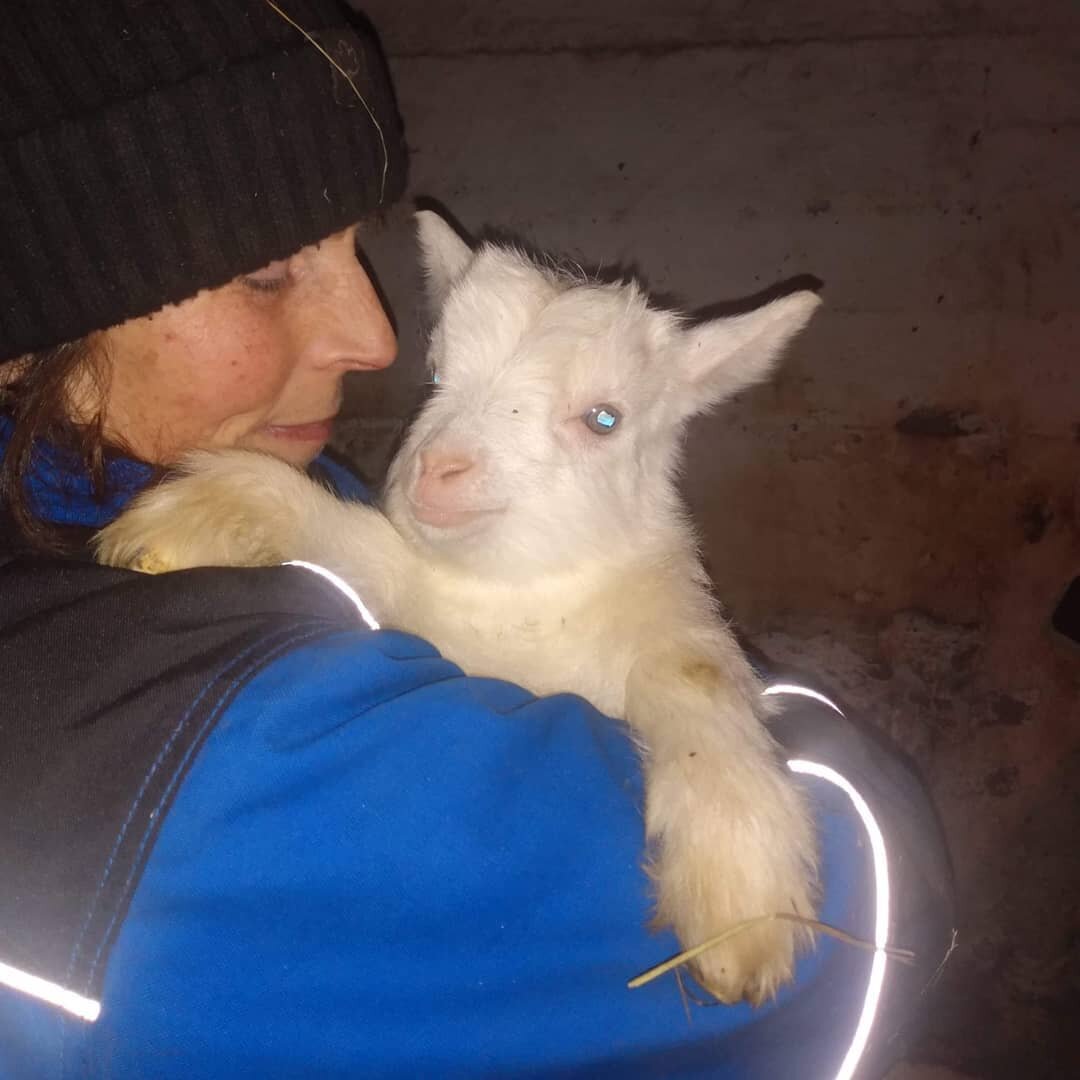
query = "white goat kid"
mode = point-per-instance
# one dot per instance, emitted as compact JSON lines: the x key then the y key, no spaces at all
{"x":533,"y":532}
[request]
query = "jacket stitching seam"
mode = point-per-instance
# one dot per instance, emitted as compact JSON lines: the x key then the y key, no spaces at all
{"x":151,"y":772}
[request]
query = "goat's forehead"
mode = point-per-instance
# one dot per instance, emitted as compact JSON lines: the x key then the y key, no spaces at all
{"x":592,"y":326}
{"x":510,"y":315}
{"x":503,"y":284}
{"x":590,"y":309}
{"x":489,"y":310}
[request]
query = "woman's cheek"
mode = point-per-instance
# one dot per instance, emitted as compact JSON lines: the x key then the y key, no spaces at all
{"x":244,"y":379}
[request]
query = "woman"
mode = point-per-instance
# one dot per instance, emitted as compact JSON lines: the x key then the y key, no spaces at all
{"x":243,"y":835}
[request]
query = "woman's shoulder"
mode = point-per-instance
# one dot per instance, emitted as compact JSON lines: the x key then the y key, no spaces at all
{"x":116,"y":679}
{"x":335,"y":829}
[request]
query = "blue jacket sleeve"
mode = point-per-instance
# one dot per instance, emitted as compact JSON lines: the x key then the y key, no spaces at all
{"x":377,"y":866}
{"x":343,"y":480}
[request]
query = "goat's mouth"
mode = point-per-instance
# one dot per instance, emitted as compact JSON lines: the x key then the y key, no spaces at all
{"x":450,"y":517}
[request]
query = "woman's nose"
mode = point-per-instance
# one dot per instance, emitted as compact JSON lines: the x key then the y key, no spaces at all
{"x":345,"y":324}
{"x":369,"y":342}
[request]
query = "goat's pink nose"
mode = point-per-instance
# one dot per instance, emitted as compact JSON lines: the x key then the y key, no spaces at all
{"x":443,"y":469}
{"x":444,"y":491}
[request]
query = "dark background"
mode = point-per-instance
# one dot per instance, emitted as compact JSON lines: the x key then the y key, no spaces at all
{"x":898,"y":510}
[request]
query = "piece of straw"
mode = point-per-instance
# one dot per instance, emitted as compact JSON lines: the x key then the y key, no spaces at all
{"x":345,"y":75}
{"x":905,"y":956}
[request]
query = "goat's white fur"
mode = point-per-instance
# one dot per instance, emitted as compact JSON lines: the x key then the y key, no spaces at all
{"x":557,"y":558}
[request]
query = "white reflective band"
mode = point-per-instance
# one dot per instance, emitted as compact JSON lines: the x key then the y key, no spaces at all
{"x":801,"y":691}
{"x":881,"y":914}
{"x":43,"y":990}
{"x":341,"y":584}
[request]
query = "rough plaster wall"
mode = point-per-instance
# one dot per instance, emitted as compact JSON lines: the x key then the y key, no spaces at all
{"x":898,"y":511}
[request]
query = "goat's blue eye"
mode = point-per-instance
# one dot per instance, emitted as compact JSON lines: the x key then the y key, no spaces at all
{"x":435,"y":377}
{"x":602,"y":419}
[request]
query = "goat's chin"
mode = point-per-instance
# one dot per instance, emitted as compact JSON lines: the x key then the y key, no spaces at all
{"x":441,"y":526}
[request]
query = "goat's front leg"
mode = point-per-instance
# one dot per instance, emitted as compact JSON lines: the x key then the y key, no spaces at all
{"x":240,"y":508}
{"x":730,"y":835}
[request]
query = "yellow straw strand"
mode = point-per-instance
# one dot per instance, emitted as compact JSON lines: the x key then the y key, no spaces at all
{"x":345,"y":75}
{"x":905,"y":956}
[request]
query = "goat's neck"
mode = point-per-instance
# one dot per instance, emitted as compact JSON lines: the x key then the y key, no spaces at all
{"x":579,"y":630}
{"x":670,"y":554}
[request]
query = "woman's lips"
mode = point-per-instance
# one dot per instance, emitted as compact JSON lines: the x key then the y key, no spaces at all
{"x":317,"y":431}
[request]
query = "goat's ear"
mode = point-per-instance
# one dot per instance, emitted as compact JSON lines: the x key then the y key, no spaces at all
{"x":723,"y":356}
{"x":443,"y":254}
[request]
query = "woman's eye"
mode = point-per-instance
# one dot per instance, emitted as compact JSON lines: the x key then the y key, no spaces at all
{"x":603,"y":419}
{"x":269,"y":278}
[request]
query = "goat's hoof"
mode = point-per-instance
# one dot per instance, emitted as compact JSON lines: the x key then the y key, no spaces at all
{"x":152,"y":562}
{"x":752,"y":965}
{"x":710,"y":879}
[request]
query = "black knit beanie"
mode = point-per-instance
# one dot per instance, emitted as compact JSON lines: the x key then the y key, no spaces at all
{"x":153,"y":148}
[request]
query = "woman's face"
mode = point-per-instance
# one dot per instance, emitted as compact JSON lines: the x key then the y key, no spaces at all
{"x":256,"y":364}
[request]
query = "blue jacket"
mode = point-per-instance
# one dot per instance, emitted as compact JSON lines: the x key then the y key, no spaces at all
{"x":370,"y":864}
